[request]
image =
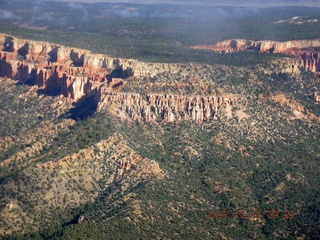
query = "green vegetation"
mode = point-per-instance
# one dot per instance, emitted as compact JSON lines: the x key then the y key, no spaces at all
{"x":63,"y":173}
{"x":224,"y":178}
{"x":225,"y":166}
{"x":158,"y":33}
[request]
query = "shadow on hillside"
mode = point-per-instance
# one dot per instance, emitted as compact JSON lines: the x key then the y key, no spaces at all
{"x":85,"y":107}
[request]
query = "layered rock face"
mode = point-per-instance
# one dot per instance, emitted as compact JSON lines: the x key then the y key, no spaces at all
{"x":78,"y":74}
{"x":167,"y":107}
{"x":57,"y":69}
{"x":306,"y":52}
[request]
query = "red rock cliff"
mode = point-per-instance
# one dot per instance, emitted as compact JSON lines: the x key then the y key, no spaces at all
{"x":73,"y":72}
{"x":77,"y":73}
{"x":306,"y":52}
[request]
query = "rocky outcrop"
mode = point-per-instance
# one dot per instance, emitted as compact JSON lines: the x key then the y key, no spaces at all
{"x":167,"y":107}
{"x":237,"y":45}
{"x":316,"y":97}
{"x":75,"y":73}
{"x":306,"y":52}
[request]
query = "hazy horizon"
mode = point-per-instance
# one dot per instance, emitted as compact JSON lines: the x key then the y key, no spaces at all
{"x":262,"y":3}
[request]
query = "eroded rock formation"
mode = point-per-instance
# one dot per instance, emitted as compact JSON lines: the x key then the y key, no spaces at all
{"x":75,"y":73}
{"x":167,"y":107}
{"x":306,"y":52}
